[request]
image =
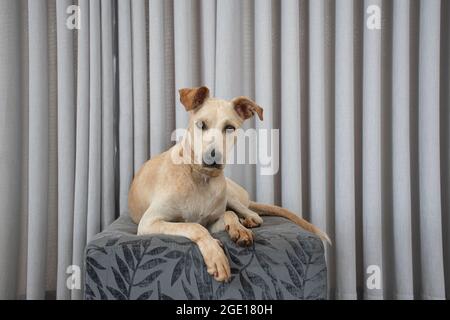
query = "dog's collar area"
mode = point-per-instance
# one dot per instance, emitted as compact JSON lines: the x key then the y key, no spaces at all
{"x":204,"y":174}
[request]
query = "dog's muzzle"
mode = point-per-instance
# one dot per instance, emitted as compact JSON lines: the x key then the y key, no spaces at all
{"x":212,"y":159}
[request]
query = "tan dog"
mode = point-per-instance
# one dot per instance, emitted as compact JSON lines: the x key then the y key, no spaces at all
{"x":184,"y":199}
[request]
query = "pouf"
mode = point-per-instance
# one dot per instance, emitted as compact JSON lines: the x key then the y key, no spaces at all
{"x":284,"y":262}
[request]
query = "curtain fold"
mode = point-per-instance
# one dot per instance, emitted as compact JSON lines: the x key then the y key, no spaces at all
{"x":362,"y":110}
{"x":401,"y":150}
{"x":10,"y":147}
{"x":345,"y":153}
{"x":140,"y":70}
{"x":291,"y":186}
{"x":433,"y":283}
{"x":38,"y":172}
{"x":95,"y":116}
{"x":66,"y":145}
{"x":186,"y":39}
{"x":208,"y":42}
{"x":445,"y":129}
{"x":372,"y":148}
{"x":82,"y":142}
{"x":320,"y":108}
{"x":126,"y":150}
{"x":319,"y":105}
{"x":108,"y":203}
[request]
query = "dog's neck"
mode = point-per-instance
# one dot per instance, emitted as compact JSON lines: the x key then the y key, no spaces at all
{"x":200,"y":177}
{"x":196,"y":172}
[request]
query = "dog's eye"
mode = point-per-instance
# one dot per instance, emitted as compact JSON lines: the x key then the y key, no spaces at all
{"x":201,"y":125}
{"x":229,"y":129}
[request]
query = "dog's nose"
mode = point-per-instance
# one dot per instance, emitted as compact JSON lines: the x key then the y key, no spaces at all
{"x":212,"y":157}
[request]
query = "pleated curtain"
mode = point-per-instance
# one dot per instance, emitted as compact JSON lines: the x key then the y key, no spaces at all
{"x":363,"y":115}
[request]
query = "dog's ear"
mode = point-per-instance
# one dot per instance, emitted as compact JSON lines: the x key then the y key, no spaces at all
{"x":246,"y":108}
{"x":191,"y":98}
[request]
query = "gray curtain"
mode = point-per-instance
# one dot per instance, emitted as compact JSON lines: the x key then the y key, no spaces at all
{"x":363,"y":114}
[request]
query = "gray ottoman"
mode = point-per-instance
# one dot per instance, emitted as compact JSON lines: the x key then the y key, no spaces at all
{"x":285,"y":262}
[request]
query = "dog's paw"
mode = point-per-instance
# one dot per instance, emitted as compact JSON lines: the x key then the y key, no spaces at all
{"x":219,"y":243}
{"x":242,"y":236}
{"x":215,"y":259}
{"x":252,"y":221}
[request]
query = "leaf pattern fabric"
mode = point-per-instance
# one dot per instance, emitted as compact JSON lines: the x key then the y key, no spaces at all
{"x":285,"y":262}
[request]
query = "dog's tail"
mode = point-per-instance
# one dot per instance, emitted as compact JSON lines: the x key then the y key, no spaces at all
{"x":271,"y":210}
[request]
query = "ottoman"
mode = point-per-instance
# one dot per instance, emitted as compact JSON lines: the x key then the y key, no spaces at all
{"x":284,"y":262}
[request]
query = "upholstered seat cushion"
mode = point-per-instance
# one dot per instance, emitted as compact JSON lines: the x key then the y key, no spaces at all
{"x":285,"y":262}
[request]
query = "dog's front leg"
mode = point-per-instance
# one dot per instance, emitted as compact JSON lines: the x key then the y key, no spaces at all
{"x":239,"y":234}
{"x":215,"y":259}
{"x":250,"y":219}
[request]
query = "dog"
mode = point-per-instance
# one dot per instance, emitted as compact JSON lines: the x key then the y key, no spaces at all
{"x":195,"y":199}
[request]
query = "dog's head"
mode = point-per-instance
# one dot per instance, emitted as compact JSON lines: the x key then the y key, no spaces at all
{"x":212,"y":126}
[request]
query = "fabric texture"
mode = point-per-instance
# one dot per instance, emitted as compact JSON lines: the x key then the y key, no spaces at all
{"x":363,"y":115}
{"x":285,"y":262}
